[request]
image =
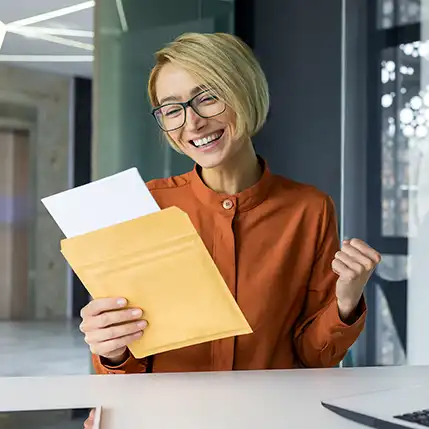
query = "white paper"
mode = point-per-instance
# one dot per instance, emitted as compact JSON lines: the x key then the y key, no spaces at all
{"x":99,"y":204}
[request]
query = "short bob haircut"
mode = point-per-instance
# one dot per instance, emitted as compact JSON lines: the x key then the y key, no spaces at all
{"x":226,"y":65}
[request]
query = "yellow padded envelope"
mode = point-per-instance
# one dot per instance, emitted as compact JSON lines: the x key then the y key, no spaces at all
{"x":159,"y":263}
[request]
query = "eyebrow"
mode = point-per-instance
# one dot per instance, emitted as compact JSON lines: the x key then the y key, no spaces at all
{"x":193,"y":92}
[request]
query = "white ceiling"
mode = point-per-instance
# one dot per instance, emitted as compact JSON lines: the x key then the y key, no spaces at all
{"x":50,"y":55}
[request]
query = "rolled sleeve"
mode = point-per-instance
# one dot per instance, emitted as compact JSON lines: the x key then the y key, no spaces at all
{"x":321,"y":338}
{"x":130,"y":366}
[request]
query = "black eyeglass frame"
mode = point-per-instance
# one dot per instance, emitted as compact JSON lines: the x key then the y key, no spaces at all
{"x":184,"y":105}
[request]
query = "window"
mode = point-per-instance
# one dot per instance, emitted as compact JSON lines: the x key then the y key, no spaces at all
{"x":398,"y":135}
{"x":392,"y":13}
{"x":405,"y":126}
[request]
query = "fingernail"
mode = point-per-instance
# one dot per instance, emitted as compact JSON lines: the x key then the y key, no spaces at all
{"x":142,"y":324}
{"x":136,"y":312}
{"x":121,"y":302}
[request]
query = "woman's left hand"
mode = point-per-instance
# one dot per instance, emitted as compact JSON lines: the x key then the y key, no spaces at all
{"x":354,"y":264}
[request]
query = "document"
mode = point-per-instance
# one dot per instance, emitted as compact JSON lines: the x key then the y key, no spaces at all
{"x":105,"y":202}
{"x":120,"y":244}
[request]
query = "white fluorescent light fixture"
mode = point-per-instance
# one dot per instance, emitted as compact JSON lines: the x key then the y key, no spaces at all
{"x":53,"y":31}
{"x":55,"y":39}
{"x":122,"y":16}
{"x":3,"y":31}
{"x":23,"y":28}
{"x":47,"y":58}
{"x":54,"y":14}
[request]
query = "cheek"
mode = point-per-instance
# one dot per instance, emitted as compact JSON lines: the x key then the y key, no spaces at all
{"x":229,"y":118}
{"x":175,"y":136}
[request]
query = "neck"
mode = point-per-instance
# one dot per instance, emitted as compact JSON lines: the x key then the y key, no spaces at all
{"x":238,"y":174}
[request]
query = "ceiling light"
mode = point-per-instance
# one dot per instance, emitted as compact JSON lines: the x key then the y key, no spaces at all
{"x":122,"y":16}
{"x":46,"y":58}
{"x":53,"y":31}
{"x":55,"y":39}
{"x":22,"y":27}
{"x":3,"y":31}
{"x":54,"y":14}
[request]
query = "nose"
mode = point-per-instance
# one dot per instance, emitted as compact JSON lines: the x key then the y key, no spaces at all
{"x":194,"y":121}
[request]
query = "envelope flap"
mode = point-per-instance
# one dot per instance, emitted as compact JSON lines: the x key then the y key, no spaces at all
{"x":152,"y":230}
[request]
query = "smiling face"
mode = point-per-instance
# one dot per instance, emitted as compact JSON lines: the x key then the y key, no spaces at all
{"x":209,"y":142}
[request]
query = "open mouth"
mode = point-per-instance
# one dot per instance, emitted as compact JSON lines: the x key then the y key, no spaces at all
{"x":208,"y":140}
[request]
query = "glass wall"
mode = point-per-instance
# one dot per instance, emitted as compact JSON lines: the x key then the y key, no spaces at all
{"x":127,"y":36}
{"x":418,"y":299}
{"x":405,"y":181}
{"x":397,"y":180}
{"x":43,"y":121}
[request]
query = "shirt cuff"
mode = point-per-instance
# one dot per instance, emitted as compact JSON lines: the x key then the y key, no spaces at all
{"x":339,"y":328}
{"x":130,"y":366}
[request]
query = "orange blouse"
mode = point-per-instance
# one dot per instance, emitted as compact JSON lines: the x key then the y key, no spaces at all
{"x":273,"y":244}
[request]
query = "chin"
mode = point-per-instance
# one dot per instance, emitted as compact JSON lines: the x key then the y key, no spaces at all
{"x":208,"y":162}
{"x":210,"y":159}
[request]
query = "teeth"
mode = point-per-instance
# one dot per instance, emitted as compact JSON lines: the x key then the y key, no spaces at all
{"x":206,"y":140}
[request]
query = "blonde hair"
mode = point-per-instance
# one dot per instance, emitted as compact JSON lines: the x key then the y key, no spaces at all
{"x":225,"y":64}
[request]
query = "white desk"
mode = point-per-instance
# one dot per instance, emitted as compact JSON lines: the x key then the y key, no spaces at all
{"x":239,"y":400}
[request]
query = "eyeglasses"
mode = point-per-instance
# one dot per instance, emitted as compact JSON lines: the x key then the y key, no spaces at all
{"x":172,"y":116}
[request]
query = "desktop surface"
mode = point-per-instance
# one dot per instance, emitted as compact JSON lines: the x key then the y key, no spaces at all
{"x":235,"y":400}
{"x":406,"y":407}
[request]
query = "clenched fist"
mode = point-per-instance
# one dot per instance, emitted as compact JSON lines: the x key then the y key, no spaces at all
{"x":354,"y":265}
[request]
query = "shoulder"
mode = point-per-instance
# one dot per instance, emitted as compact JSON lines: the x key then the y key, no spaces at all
{"x":172,"y":190}
{"x":312,"y":209}
{"x":169,"y":183}
{"x":303,"y":195}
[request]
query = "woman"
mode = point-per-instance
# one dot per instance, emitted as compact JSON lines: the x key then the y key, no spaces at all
{"x":274,"y":240}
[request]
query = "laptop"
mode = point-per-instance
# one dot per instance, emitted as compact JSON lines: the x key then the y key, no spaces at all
{"x":63,"y":418}
{"x":387,"y":409}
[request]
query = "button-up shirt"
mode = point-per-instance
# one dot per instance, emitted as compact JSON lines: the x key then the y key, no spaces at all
{"x":273,"y":244}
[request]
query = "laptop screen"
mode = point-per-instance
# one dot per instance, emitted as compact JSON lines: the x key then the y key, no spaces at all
{"x":72,"y":418}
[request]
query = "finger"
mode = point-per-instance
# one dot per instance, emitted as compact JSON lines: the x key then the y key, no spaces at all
{"x":342,"y":270}
{"x":358,"y":257}
{"x":106,"y":347}
{"x":110,"y":318}
{"x":114,"y":332}
{"x":366,"y":250}
{"x":334,"y":269}
{"x":98,"y":306}
{"x":350,"y":262}
{"x":89,"y":423}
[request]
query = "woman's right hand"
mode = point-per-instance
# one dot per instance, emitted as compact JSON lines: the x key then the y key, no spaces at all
{"x":109,"y":327}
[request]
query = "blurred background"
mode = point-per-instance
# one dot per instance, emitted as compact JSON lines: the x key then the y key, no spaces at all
{"x":350,"y":114}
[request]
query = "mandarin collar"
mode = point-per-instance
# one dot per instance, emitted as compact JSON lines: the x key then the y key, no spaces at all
{"x":230,"y":204}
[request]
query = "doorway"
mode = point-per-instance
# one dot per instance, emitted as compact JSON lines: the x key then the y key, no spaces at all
{"x":14,"y":223}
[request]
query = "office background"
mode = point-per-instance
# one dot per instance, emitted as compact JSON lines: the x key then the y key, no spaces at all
{"x":349,"y":114}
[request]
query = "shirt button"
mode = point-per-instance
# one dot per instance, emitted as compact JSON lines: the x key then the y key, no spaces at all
{"x":227,"y":204}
